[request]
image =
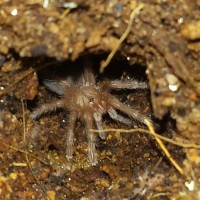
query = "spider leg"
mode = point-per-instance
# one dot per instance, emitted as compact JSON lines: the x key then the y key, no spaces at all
{"x":129,"y":111}
{"x":123,"y":85}
{"x":91,"y":140}
{"x":98,"y":121}
{"x":88,"y":73}
{"x":70,"y":135}
{"x":58,"y":87}
{"x":114,"y":115}
{"x":46,"y":108}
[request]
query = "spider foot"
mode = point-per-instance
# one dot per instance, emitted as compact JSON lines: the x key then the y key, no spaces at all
{"x":69,"y":153}
{"x":92,"y":154}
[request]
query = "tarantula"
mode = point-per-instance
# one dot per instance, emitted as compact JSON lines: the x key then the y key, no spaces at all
{"x":89,"y":101}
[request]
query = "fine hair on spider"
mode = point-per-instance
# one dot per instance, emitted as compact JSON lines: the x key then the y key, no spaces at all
{"x":88,"y":100}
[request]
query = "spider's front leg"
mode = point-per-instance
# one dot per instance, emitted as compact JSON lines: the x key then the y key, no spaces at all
{"x":99,"y":124}
{"x":70,"y":135}
{"x":91,"y":140}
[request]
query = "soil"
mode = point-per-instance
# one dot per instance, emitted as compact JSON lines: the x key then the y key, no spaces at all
{"x":48,"y":40}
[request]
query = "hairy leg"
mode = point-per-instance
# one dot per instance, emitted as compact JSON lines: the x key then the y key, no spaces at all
{"x":59,"y":87}
{"x":88,"y":73}
{"x":98,"y":121}
{"x":135,"y":114}
{"x":49,"y":107}
{"x":114,"y":115}
{"x":70,"y":135}
{"x":91,"y":140}
{"x":123,"y":85}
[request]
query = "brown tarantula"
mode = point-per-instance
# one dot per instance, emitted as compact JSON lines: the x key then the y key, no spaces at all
{"x":89,"y":101}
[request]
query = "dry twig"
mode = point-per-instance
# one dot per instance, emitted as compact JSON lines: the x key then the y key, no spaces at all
{"x":106,"y":62}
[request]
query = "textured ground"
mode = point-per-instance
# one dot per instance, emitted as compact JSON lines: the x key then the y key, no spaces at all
{"x":45,"y":41}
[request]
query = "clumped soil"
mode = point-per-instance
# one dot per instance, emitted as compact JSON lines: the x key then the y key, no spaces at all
{"x":41,"y":41}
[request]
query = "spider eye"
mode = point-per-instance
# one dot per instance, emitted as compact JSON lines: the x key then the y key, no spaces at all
{"x":91,"y":101}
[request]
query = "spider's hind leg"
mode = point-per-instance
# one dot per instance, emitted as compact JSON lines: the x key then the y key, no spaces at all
{"x":131,"y":112}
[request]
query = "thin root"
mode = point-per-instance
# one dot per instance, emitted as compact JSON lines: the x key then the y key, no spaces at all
{"x":141,"y":130}
{"x":22,"y":151}
{"x":163,"y":147}
{"x":23,"y":76}
{"x":27,"y":158}
{"x":158,"y":139}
